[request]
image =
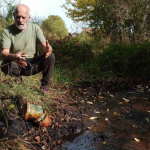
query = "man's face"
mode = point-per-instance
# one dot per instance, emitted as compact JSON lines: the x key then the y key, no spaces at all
{"x":22,"y":18}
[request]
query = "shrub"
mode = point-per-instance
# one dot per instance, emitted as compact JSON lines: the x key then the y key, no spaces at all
{"x":70,"y":51}
{"x":127,"y":60}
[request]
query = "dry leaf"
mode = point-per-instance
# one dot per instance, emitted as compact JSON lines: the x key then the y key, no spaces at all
{"x":84,"y":115}
{"x":59,"y":141}
{"x":120,"y":103}
{"x":90,"y":127}
{"x":106,"y":119}
{"x":92,"y":118}
{"x":82,"y":101}
{"x":89,"y":102}
{"x":43,"y":147}
{"x":84,"y":93}
{"x":147,"y":119}
{"x":100,"y":96}
{"x":115,"y":113}
{"x":97,"y":112}
{"x":104,"y":142}
{"x":139,"y":86}
{"x":44,"y":129}
{"x":126,"y":100}
{"x":60,"y":125}
{"x":37,"y":138}
{"x":137,"y":140}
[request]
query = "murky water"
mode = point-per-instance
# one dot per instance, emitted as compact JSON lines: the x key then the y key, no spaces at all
{"x":113,"y":121}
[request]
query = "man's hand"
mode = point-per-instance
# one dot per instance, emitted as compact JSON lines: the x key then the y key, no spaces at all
{"x":47,"y":49}
{"x":19,"y":58}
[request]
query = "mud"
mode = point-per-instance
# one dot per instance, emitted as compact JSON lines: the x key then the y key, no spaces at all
{"x":90,"y":118}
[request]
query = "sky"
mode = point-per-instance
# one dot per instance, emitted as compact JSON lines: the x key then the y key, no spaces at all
{"x":44,"y":8}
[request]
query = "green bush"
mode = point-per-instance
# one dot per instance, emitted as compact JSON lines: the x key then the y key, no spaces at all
{"x":127,"y":60}
{"x":71,"y":52}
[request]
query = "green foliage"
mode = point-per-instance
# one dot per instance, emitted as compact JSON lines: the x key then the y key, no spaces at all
{"x":54,"y":27}
{"x":71,"y":52}
{"x":96,"y":43}
{"x":120,"y":20}
{"x":127,"y":60}
{"x":7,"y":18}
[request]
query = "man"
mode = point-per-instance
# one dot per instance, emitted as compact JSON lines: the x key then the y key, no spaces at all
{"x":19,"y":42}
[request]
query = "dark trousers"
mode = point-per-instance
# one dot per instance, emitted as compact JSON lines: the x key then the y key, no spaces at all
{"x":34,"y":66}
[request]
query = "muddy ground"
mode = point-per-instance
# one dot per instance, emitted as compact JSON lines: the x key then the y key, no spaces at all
{"x":87,"y":117}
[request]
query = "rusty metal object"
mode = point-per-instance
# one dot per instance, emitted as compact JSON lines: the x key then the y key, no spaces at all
{"x":44,"y":120}
{"x":31,"y":111}
{"x":37,"y":114}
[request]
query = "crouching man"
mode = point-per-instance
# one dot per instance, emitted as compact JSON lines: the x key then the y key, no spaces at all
{"x":19,"y":42}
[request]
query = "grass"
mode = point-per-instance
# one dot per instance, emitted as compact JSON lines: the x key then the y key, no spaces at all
{"x":11,"y":90}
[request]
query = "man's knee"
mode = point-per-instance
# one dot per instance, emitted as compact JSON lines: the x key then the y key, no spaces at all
{"x":51,"y":58}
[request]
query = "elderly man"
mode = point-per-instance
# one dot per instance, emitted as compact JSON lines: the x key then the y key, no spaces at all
{"x":19,"y":47}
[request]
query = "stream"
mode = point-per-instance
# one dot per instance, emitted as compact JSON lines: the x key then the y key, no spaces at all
{"x":113,"y":120}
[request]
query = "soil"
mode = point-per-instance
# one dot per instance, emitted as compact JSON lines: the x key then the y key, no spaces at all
{"x":88,"y":117}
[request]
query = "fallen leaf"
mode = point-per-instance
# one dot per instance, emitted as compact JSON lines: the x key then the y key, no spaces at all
{"x":115,"y":113}
{"x":92,"y":118}
{"x":44,"y":129}
{"x":138,"y":86}
{"x":59,"y":141}
{"x":84,"y":93}
{"x":137,"y":140}
{"x":107,"y":109}
{"x":84,"y":115}
{"x":120,"y":103}
{"x":141,"y":91}
{"x":11,"y":106}
{"x":82,"y":101}
{"x":147,"y":119}
{"x":4,"y":80}
{"x":126,"y":100}
{"x":43,"y":147}
{"x":97,"y":112}
{"x":104,"y":142}
{"x":89,"y":102}
{"x":100,"y":96}
{"x":37,"y":138}
{"x":60,"y":125}
{"x":90,"y":127}
{"x":106,"y":119}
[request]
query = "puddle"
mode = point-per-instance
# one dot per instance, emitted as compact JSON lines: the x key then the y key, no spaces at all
{"x":83,"y":142}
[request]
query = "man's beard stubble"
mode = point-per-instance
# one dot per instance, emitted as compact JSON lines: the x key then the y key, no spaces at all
{"x":20,"y":27}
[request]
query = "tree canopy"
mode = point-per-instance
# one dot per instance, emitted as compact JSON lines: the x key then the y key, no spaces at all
{"x":116,"y":17}
{"x":54,"y":26}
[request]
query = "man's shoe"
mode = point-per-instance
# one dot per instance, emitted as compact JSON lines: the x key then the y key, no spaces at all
{"x":45,"y":90}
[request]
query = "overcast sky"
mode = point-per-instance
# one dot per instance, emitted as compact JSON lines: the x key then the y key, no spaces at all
{"x":44,"y":8}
